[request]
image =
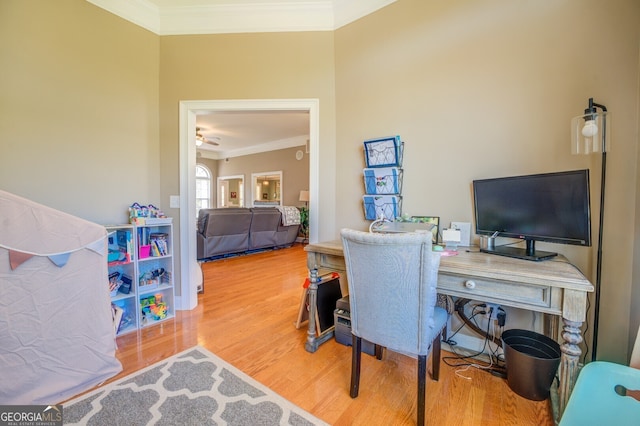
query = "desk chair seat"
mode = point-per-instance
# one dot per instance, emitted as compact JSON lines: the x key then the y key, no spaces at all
{"x":392,"y":292}
{"x":594,"y":400}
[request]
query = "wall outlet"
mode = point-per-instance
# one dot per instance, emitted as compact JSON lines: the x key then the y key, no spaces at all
{"x":465,"y":232}
{"x":492,"y":310}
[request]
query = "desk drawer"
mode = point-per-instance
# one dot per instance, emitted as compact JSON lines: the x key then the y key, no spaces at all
{"x":511,"y":293}
{"x":331,"y":262}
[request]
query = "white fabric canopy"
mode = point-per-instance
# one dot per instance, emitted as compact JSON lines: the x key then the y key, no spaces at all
{"x":56,"y":333}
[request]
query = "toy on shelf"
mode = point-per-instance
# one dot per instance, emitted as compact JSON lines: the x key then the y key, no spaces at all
{"x":147,"y":215}
{"x":151,"y":279}
{"x":153,"y":307}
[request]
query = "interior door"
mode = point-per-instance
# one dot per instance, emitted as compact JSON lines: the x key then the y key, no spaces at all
{"x":223,"y":190}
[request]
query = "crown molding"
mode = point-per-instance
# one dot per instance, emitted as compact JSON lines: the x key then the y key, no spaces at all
{"x":140,"y":12}
{"x":347,"y":11}
{"x":247,"y":18}
{"x":217,"y":154}
{"x":219,"y":18}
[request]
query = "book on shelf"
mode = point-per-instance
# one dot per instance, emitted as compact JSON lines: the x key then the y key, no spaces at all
{"x":117,"y":312}
{"x":155,"y":249}
{"x":159,"y":241}
{"x":125,"y":243}
{"x":120,"y":245}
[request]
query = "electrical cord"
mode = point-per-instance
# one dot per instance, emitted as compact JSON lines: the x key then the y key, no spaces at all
{"x":459,"y":307}
{"x":481,"y":365}
{"x":493,"y":367}
{"x":453,"y":342}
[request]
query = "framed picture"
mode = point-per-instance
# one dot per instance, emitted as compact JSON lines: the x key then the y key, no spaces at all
{"x":265,"y":196}
{"x":435,"y":220}
{"x":234,"y":194}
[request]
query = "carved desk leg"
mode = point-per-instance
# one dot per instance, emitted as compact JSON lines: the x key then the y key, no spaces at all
{"x":312,"y":344}
{"x":572,"y":337}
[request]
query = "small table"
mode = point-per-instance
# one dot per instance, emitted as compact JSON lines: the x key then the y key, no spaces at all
{"x":553,"y":287}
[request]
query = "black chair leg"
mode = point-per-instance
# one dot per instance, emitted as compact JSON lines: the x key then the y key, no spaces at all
{"x":435,"y":357}
{"x":356,"y":355}
{"x":378,"y":349}
{"x":422,"y":377}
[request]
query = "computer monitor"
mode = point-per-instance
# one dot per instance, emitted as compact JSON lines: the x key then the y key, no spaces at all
{"x":551,"y":207}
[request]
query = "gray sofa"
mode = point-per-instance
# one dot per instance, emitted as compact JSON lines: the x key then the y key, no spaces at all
{"x":227,"y":231}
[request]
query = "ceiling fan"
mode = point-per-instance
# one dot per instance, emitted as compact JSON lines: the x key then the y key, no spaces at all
{"x":201,"y":139}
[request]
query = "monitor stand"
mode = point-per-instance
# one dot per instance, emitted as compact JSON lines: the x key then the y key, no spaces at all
{"x":529,"y":253}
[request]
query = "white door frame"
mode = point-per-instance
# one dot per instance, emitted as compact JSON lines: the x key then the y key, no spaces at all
{"x":190,"y":273}
{"x":221,"y":180}
{"x":254,"y":182}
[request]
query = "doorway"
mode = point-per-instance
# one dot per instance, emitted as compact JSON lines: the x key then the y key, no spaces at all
{"x":190,"y":273}
{"x":230,"y":191}
{"x":266,"y":189}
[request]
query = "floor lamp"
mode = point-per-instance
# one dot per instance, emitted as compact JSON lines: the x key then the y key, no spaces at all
{"x":590,"y":135}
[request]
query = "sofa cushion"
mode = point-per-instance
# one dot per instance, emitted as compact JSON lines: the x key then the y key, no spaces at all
{"x":264,"y":226}
{"x":223,"y":231}
{"x":226,"y":231}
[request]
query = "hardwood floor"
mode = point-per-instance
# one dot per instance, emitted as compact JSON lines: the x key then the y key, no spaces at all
{"x":246,"y":316}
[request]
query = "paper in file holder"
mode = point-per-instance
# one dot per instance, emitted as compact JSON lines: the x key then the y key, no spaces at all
{"x":383,"y":180}
{"x":377,"y":206}
{"x":384,"y":152}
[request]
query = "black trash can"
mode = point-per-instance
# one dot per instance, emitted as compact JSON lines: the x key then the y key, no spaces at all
{"x":532,"y":361}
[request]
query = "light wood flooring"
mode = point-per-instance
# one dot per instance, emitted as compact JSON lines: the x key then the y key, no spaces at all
{"x":246,"y":316}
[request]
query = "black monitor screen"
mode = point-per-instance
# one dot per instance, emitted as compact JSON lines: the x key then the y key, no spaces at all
{"x":552,"y":207}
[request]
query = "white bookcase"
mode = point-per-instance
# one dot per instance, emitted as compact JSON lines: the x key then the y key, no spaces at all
{"x":141,"y":256}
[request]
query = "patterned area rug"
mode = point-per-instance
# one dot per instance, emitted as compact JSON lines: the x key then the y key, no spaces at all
{"x":194,"y":387}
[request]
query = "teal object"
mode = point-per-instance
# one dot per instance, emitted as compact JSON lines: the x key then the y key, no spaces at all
{"x":594,"y":400}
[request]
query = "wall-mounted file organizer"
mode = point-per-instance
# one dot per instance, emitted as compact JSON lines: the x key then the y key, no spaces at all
{"x":383,"y":180}
{"x":384,"y":152}
{"x":377,"y":206}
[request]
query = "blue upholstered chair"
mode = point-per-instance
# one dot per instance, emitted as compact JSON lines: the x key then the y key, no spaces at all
{"x":606,"y":393}
{"x":392,"y":293}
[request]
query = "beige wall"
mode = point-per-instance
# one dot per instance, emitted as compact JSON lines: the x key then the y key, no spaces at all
{"x":78,"y":108}
{"x":248,"y":66}
{"x":89,"y":108}
{"x":488,"y":88}
{"x":295,"y":173}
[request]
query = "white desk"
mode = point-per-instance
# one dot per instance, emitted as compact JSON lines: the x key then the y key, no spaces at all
{"x":552,"y":287}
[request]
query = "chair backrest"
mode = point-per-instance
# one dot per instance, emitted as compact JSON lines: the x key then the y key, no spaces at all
{"x":392,"y":288}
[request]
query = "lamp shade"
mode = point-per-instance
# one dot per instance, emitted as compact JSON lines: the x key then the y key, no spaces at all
{"x":304,"y":196}
{"x":590,"y":133}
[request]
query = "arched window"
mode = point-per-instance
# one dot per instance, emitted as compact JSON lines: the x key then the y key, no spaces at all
{"x":203,"y":188}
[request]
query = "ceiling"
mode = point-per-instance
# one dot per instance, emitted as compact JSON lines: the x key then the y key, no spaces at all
{"x":244,"y":132}
{"x":251,"y":132}
{"x":174,"y":17}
